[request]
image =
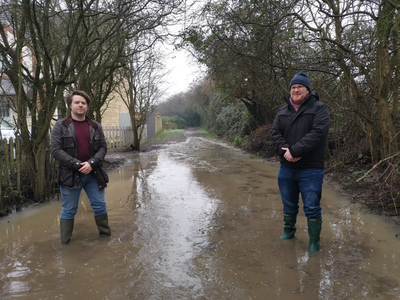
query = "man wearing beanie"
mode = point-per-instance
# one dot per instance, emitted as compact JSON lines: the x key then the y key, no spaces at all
{"x":299,"y":135}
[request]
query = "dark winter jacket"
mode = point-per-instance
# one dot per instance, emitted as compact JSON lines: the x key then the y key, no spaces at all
{"x":64,"y":149}
{"x":304,"y":132}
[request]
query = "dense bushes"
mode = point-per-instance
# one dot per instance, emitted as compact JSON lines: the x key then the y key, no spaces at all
{"x":176,"y":120}
{"x":259,"y":142}
{"x":231,"y":121}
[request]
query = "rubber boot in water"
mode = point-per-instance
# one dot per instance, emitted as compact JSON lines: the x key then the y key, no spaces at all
{"x":289,"y":228}
{"x":102,"y":224}
{"x":314,"y":231}
{"x":66,"y":228}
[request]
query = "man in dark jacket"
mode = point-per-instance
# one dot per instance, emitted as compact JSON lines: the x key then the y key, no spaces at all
{"x":299,"y":135}
{"x":79,"y":145}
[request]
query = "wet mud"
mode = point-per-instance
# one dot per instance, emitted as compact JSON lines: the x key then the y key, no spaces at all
{"x":198,"y":220}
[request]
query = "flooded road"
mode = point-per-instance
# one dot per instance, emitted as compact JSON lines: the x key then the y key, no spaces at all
{"x":198,"y":220}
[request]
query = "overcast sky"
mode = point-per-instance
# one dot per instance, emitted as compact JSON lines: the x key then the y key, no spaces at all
{"x":183,"y":71}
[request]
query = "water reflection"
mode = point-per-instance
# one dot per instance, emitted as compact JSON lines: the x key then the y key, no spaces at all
{"x":172,"y":215}
{"x":198,"y":220}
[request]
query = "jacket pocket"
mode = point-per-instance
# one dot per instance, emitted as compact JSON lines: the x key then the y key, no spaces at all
{"x":66,"y":177}
{"x":101,"y":177}
{"x":285,"y":119}
{"x":68,"y":142}
{"x":308,"y":120}
{"x":105,"y":175}
{"x":97,"y":142}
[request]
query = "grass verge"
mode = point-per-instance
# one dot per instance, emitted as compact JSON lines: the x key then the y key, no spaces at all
{"x":164,"y":137}
{"x":170,"y":135}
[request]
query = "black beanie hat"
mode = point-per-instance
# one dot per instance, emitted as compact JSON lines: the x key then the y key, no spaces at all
{"x":300,"y":78}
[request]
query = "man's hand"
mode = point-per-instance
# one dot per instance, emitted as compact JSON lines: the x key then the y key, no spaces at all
{"x":86,"y":168}
{"x":289,"y":156}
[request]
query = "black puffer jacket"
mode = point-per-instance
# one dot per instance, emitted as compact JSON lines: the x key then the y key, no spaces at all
{"x":64,"y":149}
{"x":304,"y":132}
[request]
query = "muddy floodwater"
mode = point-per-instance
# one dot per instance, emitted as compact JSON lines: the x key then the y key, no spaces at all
{"x":198,"y":220}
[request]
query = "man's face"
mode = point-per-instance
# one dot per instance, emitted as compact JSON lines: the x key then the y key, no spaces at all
{"x":298,"y":93}
{"x":78,"y":105}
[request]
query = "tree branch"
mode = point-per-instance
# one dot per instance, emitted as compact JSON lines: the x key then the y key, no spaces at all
{"x":377,"y":165}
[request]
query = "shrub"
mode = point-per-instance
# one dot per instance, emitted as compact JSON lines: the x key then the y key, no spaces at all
{"x":231,"y":121}
{"x":259,"y":142}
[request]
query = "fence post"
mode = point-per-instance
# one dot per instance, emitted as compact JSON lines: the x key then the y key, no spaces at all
{"x":18,"y":161}
{"x":107,"y":135}
{"x":13,"y":163}
{"x":113,"y":136}
{"x":6,"y":169}
{"x":2,"y":170}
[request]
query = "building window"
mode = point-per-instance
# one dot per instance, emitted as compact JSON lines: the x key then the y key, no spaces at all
{"x":4,"y":112}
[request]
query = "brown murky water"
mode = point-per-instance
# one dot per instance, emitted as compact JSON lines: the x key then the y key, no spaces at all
{"x":198,"y":220}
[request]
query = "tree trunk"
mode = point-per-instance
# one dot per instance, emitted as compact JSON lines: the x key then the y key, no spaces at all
{"x":2,"y":170}
{"x":256,"y":110}
{"x":2,"y":210}
{"x":136,"y":138}
{"x":386,"y":128}
{"x":386,"y":70}
{"x":36,"y":162}
{"x":360,"y":106}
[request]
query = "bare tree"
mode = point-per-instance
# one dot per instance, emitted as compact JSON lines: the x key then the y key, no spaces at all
{"x":44,"y":45}
{"x":140,"y":88}
{"x":123,"y":22}
{"x":362,"y":38}
{"x":48,"y":47}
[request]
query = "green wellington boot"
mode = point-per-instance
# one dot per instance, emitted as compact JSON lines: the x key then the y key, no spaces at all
{"x":102,"y":224}
{"x":314,"y":231}
{"x":66,"y":228}
{"x":289,"y":228}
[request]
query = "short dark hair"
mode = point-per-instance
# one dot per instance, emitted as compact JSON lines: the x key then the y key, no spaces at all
{"x":68,"y":98}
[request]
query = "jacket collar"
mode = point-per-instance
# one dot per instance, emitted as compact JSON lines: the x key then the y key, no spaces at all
{"x":68,"y":120}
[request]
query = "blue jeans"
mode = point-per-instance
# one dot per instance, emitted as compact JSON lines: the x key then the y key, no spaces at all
{"x":308,"y":182}
{"x":70,"y":197}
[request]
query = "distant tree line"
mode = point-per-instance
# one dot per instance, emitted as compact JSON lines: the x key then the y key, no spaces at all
{"x":349,"y":49}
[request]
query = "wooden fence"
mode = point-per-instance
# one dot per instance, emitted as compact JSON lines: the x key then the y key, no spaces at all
{"x":14,"y":183}
{"x":10,"y":163}
{"x":13,"y":179}
{"x":121,"y":137}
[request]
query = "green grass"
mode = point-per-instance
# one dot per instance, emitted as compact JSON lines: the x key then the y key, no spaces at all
{"x":203,"y":130}
{"x":169,"y":135}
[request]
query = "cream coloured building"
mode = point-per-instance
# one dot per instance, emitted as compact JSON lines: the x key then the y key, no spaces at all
{"x":112,"y":114}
